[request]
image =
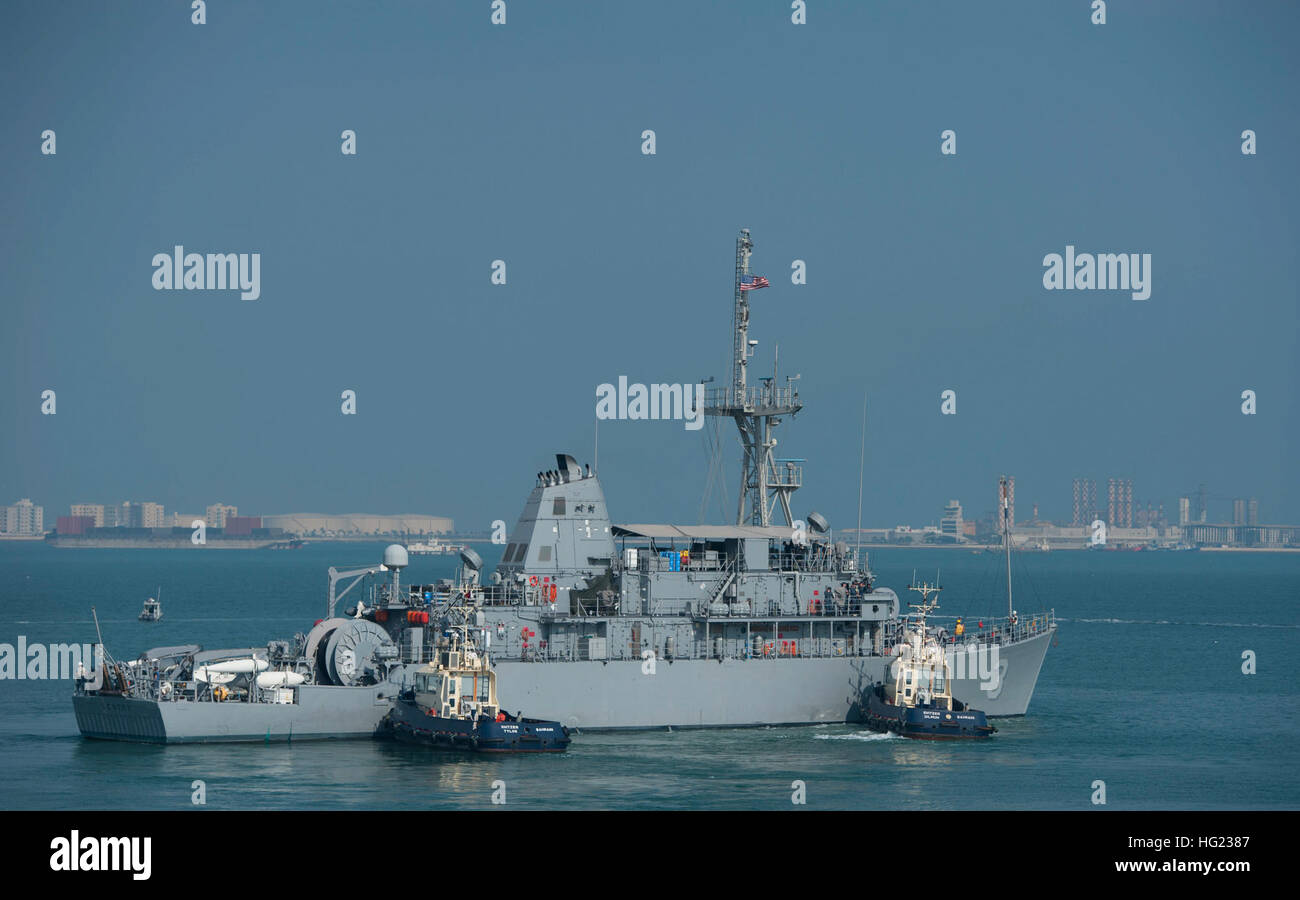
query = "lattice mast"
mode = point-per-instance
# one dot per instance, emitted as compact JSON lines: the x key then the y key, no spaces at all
{"x":765,"y":486}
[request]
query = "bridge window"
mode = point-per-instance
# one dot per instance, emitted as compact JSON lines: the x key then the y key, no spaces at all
{"x":558,"y":508}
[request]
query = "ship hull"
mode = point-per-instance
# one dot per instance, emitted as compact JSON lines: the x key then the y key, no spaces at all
{"x":1018,"y":668}
{"x":410,"y":724}
{"x":322,"y":712}
{"x":595,"y":696}
{"x":732,"y":693}
{"x":918,"y":722}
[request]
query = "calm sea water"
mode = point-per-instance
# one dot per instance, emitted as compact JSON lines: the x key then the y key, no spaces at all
{"x":1144,"y":692}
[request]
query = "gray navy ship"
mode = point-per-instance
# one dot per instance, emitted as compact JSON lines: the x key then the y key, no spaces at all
{"x":768,"y":621}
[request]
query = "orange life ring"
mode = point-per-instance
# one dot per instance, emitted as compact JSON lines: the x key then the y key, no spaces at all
{"x":532,"y":581}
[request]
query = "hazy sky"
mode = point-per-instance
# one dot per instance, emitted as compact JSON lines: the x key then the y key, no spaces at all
{"x":522,"y":142}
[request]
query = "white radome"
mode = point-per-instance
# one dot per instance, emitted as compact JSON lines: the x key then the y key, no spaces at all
{"x":395,"y":557}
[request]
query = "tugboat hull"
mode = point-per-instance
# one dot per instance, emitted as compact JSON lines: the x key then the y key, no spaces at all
{"x":920,"y":722}
{"x":408,"y":722}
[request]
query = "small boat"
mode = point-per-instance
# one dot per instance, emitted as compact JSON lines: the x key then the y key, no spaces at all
{"x":152,"y":610}
{"x":918,"y":703}
{"x":453,"y":704}
{"x":433,"y":548}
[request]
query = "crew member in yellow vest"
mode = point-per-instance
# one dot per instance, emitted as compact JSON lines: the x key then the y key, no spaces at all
{"x":961,"y":629}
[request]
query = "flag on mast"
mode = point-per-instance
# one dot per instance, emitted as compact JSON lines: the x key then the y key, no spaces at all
{"x":753,"y":282}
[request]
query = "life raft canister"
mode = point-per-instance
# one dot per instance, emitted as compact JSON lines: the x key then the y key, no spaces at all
{"x":552,"y":593}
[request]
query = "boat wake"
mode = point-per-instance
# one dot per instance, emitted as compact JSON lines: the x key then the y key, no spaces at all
{"x":859,"y":736}
{"x":1184,"y":624}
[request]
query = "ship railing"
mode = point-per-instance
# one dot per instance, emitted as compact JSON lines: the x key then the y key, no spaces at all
{"x":755,"y":398}
{"x":984,"y":630}
{"x":833,"y":608}
{"x":649,"y":561}
{"x":783,"y":648}
{"x":814,"y":559}
{"x":700,"y":649}
{"x":996,"y":630}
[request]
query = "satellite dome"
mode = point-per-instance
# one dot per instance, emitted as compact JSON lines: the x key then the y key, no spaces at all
{"x":395,"y":557}
{"x":471,"y":559}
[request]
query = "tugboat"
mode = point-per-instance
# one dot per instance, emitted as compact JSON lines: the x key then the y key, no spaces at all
{"x":453,"y":705}
{"x":918,"y":702}
{"x":152,"y":610}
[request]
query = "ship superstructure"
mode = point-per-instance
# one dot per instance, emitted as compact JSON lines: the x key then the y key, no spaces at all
{"x":767,"y":621}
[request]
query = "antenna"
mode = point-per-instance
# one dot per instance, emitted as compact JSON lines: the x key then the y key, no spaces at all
{"x":756,"y":412}
{"x":862,"y":460}
{"x":1006,"y":537}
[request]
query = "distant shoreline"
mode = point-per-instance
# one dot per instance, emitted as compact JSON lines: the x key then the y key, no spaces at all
{"x":1115,"y":549}
{"x":1250,"y":549}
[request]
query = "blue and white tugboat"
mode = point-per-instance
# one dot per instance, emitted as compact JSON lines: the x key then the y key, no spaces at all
{"x":918,"y":702}
{"x":453,"y":705}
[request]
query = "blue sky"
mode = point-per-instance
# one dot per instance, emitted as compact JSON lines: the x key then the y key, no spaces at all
{"x":522,"y":142}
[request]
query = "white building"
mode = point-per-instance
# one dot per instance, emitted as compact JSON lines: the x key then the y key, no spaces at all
{"x":89,"y":510}
{"x":217,"y":514}
{"x":152,"y":515}
{"x":951,"y":521}
{"x":24,"y":518}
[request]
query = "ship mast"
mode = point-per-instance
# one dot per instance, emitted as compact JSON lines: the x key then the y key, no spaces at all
{"x":1006,"y":535}
{"x":756,"y":411}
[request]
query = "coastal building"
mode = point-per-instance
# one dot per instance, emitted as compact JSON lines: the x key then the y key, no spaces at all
{"x":131,"y":514}
{"x":93,"y":511}
{"x":358,"y":524}
{"x":152,"y":515}
{"x":23,"y":518}
{"x":217,"y":514}
{"x":951,"y":523}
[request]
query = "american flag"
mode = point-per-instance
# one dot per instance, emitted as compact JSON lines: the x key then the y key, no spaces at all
{"x":753,"y":282}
